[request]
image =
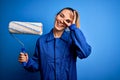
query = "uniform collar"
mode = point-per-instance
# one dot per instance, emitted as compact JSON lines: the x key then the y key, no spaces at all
{"x":64,"y":36}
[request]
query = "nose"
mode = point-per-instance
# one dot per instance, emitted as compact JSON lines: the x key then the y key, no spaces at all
{"x":61,"y":21}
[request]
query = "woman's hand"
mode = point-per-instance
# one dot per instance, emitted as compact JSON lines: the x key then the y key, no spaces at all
{"x":23,"y":57}
{"x":74,"y":17}
{"x":68,"y":22}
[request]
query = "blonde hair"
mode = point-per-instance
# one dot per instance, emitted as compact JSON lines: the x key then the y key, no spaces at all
{"x":77,"y":22}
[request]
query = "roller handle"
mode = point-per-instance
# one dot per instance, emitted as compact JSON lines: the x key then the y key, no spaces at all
{"x":23,"y":50}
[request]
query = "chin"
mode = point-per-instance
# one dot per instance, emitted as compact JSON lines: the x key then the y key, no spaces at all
{"x":59,"y":28}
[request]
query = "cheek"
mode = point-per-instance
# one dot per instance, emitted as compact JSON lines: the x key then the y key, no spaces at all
{"x":58,"y":18}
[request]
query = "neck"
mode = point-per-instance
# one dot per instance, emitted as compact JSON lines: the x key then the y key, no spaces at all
{"x":57,"y":34}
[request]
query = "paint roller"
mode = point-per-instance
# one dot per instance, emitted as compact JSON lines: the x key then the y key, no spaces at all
{"x":17,"y":27}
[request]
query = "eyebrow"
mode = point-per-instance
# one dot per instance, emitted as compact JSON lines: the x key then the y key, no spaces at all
{"x":67,"y":18}
{"x":61,"y":14}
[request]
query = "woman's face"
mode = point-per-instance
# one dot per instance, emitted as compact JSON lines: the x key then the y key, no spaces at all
{"x":65,"y":16}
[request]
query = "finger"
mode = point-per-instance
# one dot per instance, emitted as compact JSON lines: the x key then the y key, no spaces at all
{"x":26,"y":57}
{"x":21,"y":53}
{"x":22,"y":59}
{"x":74,"y":19}
{"x":26,"y":54}
{"x":67,"y":24}
{"x":22,"y":56}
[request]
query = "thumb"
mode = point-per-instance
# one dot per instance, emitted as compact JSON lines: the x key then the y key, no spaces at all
{"x":26,"y":54}
{"x":26,"y":57}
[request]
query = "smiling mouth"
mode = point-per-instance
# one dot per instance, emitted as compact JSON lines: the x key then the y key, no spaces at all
{"x":59,"y":24}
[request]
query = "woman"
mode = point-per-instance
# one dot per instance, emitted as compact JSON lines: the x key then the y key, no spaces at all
{"x":56,"y":52}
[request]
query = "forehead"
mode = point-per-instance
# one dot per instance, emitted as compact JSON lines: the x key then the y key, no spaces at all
{"x":67,"y":13}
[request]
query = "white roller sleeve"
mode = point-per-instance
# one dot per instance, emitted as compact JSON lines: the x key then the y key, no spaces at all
{"x":25,"y":27}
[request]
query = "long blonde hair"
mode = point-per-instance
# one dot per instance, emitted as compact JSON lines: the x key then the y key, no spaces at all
{"x":77,"y":21}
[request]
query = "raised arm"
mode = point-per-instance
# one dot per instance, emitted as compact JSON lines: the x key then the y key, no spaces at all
{"x":82,"y":48}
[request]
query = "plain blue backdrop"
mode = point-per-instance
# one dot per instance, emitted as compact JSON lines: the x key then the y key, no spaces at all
{"x":100,"y":23}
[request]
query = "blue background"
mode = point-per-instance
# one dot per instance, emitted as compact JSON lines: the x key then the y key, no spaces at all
{"x":100,"y":23}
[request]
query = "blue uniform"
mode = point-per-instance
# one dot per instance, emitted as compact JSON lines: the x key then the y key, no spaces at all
{"x":55,"y":58}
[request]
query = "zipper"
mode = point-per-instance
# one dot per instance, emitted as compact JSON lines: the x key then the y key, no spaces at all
{"x":55,"y":59}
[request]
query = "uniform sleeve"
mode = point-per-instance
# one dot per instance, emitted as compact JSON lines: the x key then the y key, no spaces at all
{"x":82,"y":48}
{"x":33,"y":63}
